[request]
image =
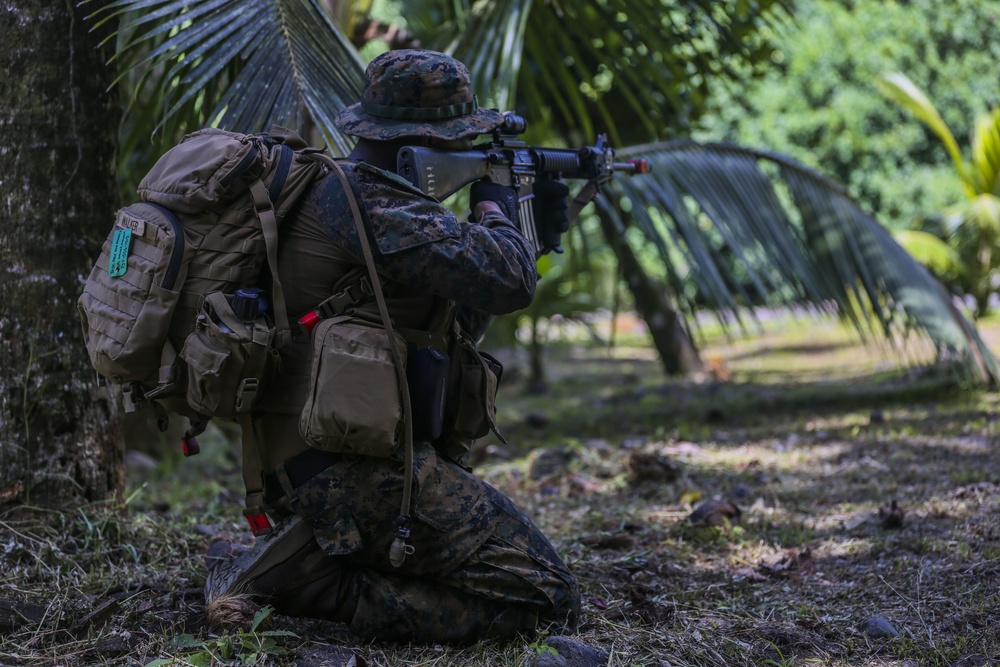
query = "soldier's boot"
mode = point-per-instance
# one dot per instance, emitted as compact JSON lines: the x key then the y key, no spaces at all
{"x":287,"y":569}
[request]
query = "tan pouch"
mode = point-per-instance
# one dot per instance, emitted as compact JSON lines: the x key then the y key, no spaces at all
{"x":229,"y":361}
{"x":354,"y":403}
{"x":472,"y":399}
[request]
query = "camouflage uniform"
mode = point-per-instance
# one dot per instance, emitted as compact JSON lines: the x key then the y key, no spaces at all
{"x":480,"y":567}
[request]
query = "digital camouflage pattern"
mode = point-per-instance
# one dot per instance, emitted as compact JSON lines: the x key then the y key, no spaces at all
{"x":424,"y":247}
{"x":413,"y":92}
{"x":480,"y":567}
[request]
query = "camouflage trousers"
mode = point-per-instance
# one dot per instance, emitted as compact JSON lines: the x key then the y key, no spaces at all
{"x":479,"y":568}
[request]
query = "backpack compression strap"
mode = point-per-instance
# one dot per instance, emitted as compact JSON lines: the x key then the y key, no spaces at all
{"x":263,"y":202}
{"x":269,"y":226}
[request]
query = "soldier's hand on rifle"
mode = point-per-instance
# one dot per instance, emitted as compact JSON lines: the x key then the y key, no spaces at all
{"x":501,"y":195}
{"x":550,"y":205}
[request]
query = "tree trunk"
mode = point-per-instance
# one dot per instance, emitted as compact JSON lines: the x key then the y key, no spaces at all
{"x":59,"y":441}
{"x":536,"y":357}
{"x":677,"y":353}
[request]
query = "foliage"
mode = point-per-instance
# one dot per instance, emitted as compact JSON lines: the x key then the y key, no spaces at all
{"x":818,"y":102}
{"x":744,"y":237}
{"x":970,"y":229}
{"x":240,"y":65}
{"x":581,"y":89}
{"x":243,"y":647}
{"x":638,"y":70}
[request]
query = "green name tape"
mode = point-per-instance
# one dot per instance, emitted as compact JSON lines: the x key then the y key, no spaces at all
{"x":120,"y":244}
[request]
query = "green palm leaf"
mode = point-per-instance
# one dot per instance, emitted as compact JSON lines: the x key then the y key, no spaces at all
{"x":986,"y":152}
{"x":733,"y":228}
{"x":930,"y":250}
{"x":630,"y":68}
{"x":813,"y":245}
{"x":898,"y":88}
{"x":238,"y":64}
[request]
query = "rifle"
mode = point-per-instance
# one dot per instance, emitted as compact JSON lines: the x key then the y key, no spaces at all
{"x":509,"y":161}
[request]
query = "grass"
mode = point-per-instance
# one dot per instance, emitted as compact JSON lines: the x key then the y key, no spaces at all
{"x":811,"y":436}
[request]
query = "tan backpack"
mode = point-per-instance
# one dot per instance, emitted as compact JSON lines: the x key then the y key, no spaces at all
{"x":177,"y":311}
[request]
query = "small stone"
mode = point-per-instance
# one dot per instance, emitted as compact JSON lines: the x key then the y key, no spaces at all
{"x":714,"y":513}
{"x":651,"y":467}
{"x":877,"y":627}
{"x":568,"y":653}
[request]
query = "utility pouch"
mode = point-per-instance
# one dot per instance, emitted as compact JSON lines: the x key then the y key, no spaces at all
{"x":230,"y":360}
{"x":354,"y":402}
{"x":471,"y":398}
{"x":427,"y":376}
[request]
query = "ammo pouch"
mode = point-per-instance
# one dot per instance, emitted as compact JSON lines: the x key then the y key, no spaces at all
{"x":229,"y":361}
{"x":353,"y":405}
{"x":471,"y":397}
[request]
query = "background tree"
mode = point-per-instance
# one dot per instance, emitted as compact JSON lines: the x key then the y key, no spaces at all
{"x":818,"y":101}
{"x":57,"y":152}
{"x":968,"y":232}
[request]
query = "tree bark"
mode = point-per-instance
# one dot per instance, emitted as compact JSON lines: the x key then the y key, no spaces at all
{"x":666,"y":327}
{"x":59,"y":441}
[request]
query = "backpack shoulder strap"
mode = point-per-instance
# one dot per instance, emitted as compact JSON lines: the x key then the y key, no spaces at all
{"x":399,"y":549}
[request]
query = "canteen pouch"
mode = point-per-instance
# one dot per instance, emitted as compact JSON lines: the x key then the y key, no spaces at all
{"x":471,"y":399}
{"x":353,"y":405}
{"x":229,"y":361}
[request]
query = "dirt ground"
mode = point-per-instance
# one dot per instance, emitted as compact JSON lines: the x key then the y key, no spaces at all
{"x":804,"y":502}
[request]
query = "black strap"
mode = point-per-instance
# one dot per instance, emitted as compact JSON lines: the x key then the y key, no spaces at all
{"x":299,"y":469}
{"x":280,"y":172}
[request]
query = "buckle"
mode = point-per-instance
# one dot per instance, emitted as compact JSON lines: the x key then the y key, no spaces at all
{"x":345,"y":298}
{"x":259,"y":523}
{"x":246,"y":394}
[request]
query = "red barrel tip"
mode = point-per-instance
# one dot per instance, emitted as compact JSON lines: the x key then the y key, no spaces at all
{"x":641,"y":166}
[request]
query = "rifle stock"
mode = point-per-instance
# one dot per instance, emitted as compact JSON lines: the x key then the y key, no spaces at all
{"x":441,"y":173}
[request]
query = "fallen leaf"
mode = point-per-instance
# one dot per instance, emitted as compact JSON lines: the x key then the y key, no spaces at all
{"x":651,"y":467}
{"x":788,"y":561}
{"x":749,"y":573}
{"x":690,"y":497}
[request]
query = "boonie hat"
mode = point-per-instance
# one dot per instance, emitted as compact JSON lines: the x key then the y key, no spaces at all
{"x":415,"y":92}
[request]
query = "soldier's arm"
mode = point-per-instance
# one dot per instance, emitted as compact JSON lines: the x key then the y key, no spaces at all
{"x":486,"y":264}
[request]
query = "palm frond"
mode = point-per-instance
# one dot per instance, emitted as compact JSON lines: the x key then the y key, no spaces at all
{"x":238,"y":64}
{"x":630,"y":68}
{"x":900,"y":89}
{"x":780,"y":233}
{"x":986,"y":152}
{"x":930,"y":250}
